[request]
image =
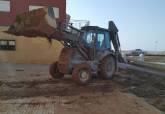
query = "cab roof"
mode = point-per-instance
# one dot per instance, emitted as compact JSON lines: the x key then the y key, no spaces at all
{"x":95,"y":28}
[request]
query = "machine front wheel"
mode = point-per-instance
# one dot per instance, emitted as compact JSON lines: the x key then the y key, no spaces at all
{"x":81,"y":74}
{"x":107,"y":67}
{"x":54,"y":72}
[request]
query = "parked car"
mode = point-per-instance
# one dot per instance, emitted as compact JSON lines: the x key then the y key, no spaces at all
{"x":137,"y":52}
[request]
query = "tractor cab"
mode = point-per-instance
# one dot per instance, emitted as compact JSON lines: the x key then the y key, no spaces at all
{"x":96,"y":40}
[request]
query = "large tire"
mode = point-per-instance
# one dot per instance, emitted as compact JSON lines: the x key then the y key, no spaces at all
{"x":107,"y":67}
{"x":82,"y":74}
{"x":54,"y":72}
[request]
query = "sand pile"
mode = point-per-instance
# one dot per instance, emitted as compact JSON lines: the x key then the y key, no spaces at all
{"x":40,"y":22}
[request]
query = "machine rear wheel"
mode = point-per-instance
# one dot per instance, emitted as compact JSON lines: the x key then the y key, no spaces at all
{"x":81,"y":74}
{"x":107,"y":67}
{"x":54,"y":72}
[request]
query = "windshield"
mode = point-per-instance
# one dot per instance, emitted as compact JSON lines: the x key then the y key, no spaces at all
{"x":88,"y":38}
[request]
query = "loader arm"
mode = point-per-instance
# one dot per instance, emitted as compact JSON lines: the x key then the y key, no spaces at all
{"x":71,"y":38}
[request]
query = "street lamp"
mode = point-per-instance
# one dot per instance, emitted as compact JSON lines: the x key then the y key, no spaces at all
{"x":156,"y":44}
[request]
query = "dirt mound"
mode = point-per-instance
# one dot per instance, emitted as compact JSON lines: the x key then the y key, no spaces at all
{"x":40,"y":22}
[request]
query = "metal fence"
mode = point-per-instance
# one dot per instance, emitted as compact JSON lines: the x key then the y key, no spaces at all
{"x":79,"y":23}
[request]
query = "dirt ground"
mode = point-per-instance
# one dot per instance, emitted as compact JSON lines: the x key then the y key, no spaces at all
{"x":149,"y":87}
{"x":151,"y":58}
{"x":155,"y":58}
{"x":28,"y":89}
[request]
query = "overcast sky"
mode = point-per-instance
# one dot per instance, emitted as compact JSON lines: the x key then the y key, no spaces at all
{"x":141,"y":23}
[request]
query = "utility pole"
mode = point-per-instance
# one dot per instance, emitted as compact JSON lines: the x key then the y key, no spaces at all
{"x":156,"y":45}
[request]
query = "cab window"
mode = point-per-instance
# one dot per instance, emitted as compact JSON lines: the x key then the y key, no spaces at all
{"x":88,"y":39}
{"x":100,"y":40}
{"x":103,"y":41}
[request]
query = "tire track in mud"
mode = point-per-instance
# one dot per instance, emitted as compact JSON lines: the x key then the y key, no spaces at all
{"x":66,"y":87}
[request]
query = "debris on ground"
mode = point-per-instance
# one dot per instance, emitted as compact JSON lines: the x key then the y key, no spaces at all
{"x":127,"y":93}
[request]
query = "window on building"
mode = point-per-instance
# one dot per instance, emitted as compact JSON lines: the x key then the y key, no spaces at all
{"x":55,"y":9}
{"x":34,"y":7}
{"x":56,"y":12}
{"x":7,"y":45}
{"x":5,"y":5}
